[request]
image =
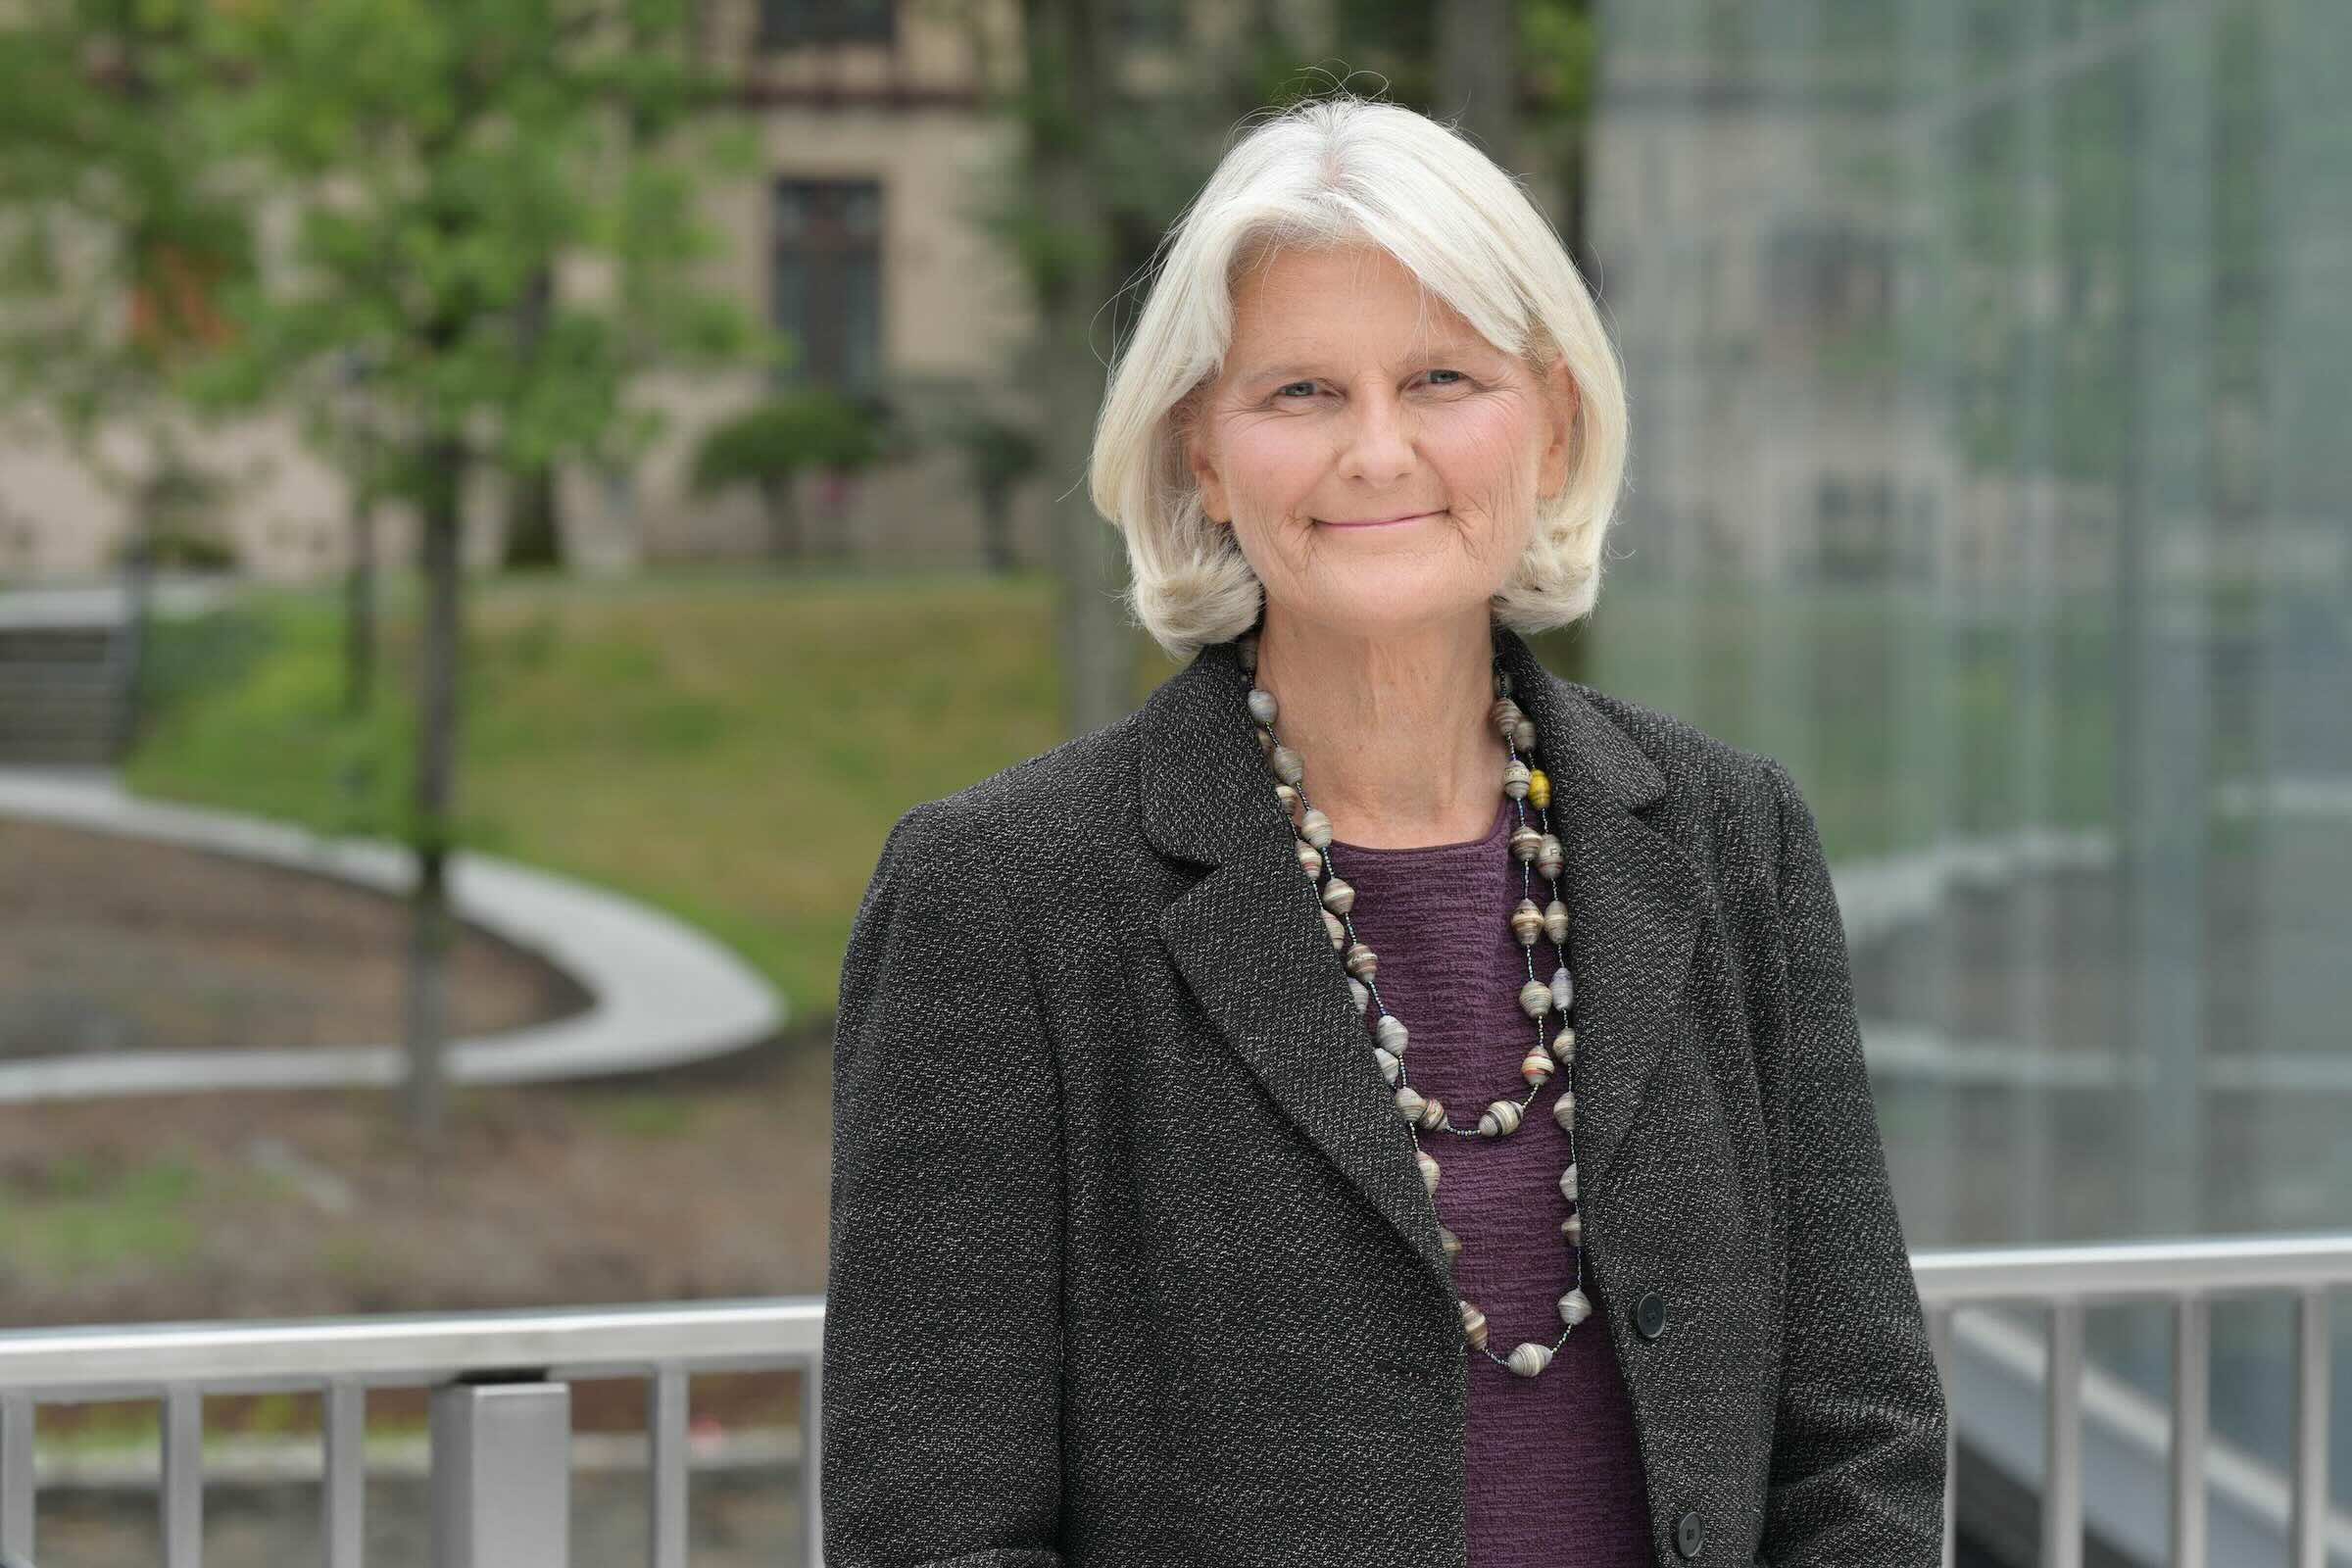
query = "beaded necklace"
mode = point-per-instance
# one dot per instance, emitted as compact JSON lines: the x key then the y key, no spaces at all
{"x":1538,"y":850}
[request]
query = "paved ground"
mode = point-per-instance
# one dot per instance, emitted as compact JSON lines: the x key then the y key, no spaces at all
{"x":106,"y":603}
{"x":662,"y":992}
{"x":110,"y":944}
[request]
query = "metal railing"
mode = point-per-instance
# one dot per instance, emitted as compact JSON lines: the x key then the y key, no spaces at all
{"x":500,"y":1413}
{"x":500,"y":1419}
{"x":2187,"y":1276}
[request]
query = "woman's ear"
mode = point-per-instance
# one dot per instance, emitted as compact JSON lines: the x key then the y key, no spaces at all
{"x":1561,"y":401}
{"x":1205,"y":476}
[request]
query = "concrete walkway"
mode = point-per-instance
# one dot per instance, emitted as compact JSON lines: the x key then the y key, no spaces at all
{"x":107,"y":603}
{"x":663,"y":992}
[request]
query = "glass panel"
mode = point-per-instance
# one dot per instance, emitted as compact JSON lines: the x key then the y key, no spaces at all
{"x":861,"y":320}
{"x":1989,"y":363}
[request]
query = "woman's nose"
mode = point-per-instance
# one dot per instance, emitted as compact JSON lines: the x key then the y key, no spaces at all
{"x":1379,"y":447}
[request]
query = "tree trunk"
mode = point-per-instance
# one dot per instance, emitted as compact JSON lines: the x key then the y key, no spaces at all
{"x":431,"y":928}
{"x":138,"y":581}
{"x":1067,"y":68}
{"x":781,"y":500}
{"x":533,"y":536}
{"x":996,"y":528}
{"x":359,"y":607}
{"x":1477,"y":41}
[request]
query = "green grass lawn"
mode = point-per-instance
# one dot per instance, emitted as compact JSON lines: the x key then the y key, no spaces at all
{"x":731,"y":744}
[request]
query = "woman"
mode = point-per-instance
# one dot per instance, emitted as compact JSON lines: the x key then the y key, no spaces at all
{"x":1503,"y":1190}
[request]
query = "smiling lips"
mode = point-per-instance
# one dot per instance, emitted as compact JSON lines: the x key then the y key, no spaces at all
{"x":1376,"y":522}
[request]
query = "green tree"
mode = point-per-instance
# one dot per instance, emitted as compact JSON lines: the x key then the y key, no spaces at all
{"x":442,"y":161}
{"x":770,"y":446}
{"x":115,"y":234}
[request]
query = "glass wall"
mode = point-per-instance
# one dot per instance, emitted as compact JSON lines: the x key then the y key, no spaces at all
{"x":1991,"y":376}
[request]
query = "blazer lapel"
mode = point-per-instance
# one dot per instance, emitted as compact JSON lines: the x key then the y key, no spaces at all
{"x":1634,"y":898}
{"x":1249,"y":936}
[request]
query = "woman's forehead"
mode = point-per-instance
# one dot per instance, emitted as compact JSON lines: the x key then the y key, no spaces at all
{"x":1315,"y":303}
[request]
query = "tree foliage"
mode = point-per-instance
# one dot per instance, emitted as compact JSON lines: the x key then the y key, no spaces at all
{"x":439,"y":163}
{"x":118,"y":231}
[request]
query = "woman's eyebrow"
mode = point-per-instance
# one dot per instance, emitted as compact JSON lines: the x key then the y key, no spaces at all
{"x":1300,"y":369}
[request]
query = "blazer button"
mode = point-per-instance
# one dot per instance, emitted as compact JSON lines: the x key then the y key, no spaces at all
{"x":1649,"y":1315}
{"x":1689,"y":1534}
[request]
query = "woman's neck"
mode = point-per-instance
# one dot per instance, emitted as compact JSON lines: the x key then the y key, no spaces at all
{"x":1393,"y":727}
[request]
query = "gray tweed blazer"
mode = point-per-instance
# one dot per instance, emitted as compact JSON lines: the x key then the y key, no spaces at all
{"x":1131,"y":1261}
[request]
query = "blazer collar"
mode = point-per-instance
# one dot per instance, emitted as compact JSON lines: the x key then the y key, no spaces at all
{"x":1249,"y":935}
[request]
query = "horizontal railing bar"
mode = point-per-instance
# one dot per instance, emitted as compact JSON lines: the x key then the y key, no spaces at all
{"x":144,"y":1360}
{"x":264,"y":1355}
{"x":419,"y":1377}
{"x":2110,"y":1271}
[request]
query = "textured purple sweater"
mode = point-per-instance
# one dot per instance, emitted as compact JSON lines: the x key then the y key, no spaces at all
{"x":1553,"y":1477}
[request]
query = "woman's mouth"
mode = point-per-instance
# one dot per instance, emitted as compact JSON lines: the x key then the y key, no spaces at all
{"x":1374,"y":523}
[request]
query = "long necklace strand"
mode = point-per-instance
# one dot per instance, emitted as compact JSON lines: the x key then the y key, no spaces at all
{"x":1536,"y":847}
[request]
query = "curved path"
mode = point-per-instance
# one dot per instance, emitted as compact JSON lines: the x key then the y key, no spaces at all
{"x":664,"y":993}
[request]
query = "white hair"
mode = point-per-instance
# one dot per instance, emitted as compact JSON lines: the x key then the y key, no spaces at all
{"x":1335,"y":172}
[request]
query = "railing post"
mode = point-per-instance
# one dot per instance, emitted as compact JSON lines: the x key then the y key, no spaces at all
{"x":1939,"y":1340}
{"x":812,"y":1458}
{"x":344,"y":1499}
{"x":666,"y":1461}
{"x":2193,"y":1372}
{"x":2062,"y":1445}
{"x":180,"y":1498}
{"x":16,"y":1473}
{"x":2308,"y":1521}
{"x":502,"y":1472}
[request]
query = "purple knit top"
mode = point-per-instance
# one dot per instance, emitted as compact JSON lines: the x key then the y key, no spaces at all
{"x":1552,"y":1476}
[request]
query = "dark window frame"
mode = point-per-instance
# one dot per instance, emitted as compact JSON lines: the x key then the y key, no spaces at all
{"x":791,"y":24}
{"x":838,"y":251}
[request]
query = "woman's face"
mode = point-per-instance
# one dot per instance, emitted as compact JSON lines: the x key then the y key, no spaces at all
{"x":1348,"y":398}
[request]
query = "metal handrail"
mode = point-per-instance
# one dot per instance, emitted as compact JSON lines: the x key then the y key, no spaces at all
{"x":2121,"y":1271}
{"x":129,"y":1360}
{"x":2187,"y":1274}
{"x":500,"y":1379}
{"x":500,"y":1419}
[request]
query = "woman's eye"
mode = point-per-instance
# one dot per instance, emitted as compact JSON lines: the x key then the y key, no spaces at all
{"x":1282,"y":393}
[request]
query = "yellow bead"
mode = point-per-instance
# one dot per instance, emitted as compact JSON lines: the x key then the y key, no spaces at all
{"x":1538,"y":788}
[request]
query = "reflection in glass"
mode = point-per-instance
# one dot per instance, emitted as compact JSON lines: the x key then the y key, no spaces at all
{"x":1990,"y":364}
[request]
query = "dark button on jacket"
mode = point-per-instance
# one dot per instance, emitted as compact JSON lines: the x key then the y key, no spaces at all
{"x":1689,"y":1534}
{"x":1132,"y":1265}
{"x":1649,"y":1315}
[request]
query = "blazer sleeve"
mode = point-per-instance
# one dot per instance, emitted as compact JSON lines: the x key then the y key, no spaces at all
{"x":943,"y":1335}
{"x":1857,"y":1470}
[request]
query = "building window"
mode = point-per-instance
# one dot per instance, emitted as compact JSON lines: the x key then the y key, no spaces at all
{"x":784,"y":24}
{"x":1828,"y":277}
{"x":826,"y":279}
{"x":1148,"y":23}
